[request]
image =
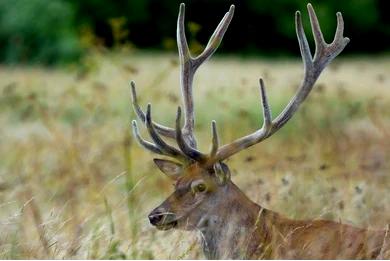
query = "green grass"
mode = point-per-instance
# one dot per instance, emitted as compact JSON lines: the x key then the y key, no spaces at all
{"x":74,"y":184}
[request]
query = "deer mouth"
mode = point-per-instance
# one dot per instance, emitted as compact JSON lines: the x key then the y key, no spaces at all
{"x":167,"y":226}
{"x":163,"y":220}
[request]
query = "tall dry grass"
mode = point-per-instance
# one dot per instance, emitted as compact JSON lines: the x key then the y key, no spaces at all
{"x":73,"y":183}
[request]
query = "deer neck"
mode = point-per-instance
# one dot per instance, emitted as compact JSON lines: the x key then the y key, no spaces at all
{"x":237,"y":228}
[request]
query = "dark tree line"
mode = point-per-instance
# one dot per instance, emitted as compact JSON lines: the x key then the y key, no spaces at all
{"x":49,"y":31}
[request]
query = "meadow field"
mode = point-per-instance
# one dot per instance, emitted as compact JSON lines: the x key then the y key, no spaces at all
{"x":74,"y":184}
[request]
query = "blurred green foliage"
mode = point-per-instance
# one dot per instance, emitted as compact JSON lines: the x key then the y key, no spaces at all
{"x":50,"y":31}
{"x":38,"y":31}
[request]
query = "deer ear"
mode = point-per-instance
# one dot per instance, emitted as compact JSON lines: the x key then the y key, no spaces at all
{"x":222,"y":172}
{"x":172,"y":169}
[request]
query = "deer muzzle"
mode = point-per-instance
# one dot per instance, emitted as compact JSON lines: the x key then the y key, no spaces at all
{"x":162,"y":219}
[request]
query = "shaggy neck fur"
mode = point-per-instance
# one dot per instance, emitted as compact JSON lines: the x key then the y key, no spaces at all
{"x":241,"y":229}
{"x":235,"y":229}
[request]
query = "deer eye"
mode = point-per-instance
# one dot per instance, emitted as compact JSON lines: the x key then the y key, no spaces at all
{"x":199,"y":187}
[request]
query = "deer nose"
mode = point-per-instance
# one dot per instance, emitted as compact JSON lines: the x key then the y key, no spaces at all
{"x":155,"y":217}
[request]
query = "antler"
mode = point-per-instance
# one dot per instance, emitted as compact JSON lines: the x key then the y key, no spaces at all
{"x":163,"y":130}
{"x":159,"y":146}
{"x":188,"y":65}
{"x":324,"y":54}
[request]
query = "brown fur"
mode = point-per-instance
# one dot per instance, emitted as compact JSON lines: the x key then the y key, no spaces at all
{"x":233,"y":227}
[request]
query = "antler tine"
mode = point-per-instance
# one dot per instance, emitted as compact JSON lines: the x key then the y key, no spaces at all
{"x":189,"y":66}
{"x":144,"y":143}
{"x":215,"y":140}
{"x":302,"y":40}
{"x":184,"y":52}
{"x":186,"y":78}
{"x":313,"y":67}
{"x":316,"y":30}
{"x":324,"y":52}
{"x":187,"y":150}
{"x":163,"y":130}
{"x":160,"y":143}
{"x":216,"y":38}
{"x":340,"y":27}
{"x":254,"y":138}
{"x":267,"y":115}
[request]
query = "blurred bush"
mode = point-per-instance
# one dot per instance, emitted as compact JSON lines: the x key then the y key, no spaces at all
{"x":38,"y":31}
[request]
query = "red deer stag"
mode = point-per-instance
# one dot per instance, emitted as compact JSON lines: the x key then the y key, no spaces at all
{"x":205,"y":199}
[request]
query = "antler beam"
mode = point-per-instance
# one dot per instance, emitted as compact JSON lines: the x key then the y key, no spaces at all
{"x":184,"y":147}
{"x":324,"y":54}
{"x":189,"y":65}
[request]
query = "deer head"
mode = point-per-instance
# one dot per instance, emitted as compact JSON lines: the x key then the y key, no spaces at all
{"x":202,"y":180}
